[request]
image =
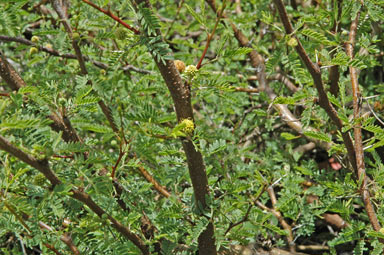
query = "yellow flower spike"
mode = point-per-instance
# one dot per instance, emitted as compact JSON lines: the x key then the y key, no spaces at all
{"x":189,"y":126}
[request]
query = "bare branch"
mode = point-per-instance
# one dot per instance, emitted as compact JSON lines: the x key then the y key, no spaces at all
{"x":357,"y":98}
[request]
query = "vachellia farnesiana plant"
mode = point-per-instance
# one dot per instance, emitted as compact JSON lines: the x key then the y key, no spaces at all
{"x":191,"y":127}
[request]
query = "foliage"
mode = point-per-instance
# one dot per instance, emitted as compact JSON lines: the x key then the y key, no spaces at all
{"x":248,"y":145}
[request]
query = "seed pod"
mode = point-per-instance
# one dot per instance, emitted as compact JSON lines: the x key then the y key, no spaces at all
{"x":180,"y":65}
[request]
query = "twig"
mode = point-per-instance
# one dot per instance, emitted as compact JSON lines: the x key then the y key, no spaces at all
{"x":176,"y":16}
{"x":162,"y":190}
{"x":110,"y":14}
{"x":67,"y":239}
{"x":17,"y":216}
{"x":121,"y":154}
{"x":52,"y":248}
{"x":361,"y":174}
{"x":285,"y":80}
{"x":245,"y":218}
{"x":210,"y":36}
{"x":281,"y":219}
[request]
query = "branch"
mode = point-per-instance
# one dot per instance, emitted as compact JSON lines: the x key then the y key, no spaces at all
{"x":60,"y":9}
{"x":247,"y":90}
{"x":110,"y":14}
{"x":210,"y":36}
{"x":9,"y":74}
{"x":181,"y":96}
{"x":356,"y":94}
{"x":257,"y":60}
{"x":15,"y":82}
{"x":285,"y":80}
{"x":334,"y":74}
{"x":56,"y":53}
{"x":77,"y":194}
{"x":162,"y":190}
{"x":58,"y":5}
{"x":281,"y":219}
{"x":315,"y":72}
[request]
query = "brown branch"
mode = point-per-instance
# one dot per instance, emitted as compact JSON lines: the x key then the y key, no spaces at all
{"x":181,"y":96}
{"x":356,"y":94}
{"x":334,"y":73}
{"x":110,"y":14}
{"x":59,"y":8}
{"x":315,"y":72}
{"x":210,"y":35}
{"x":162,"y":190}
{"x":257,"y":60}
{"x":67,"y":239}
{"x":52,"y":248}
{"x":56,"y":53}
{"x":77,"y":194}
{"x":281,"y":219}
{"x":9,"y":74}
{"x":15,"y":82}
{"x":285,"y":80}
{"x":245,"y":218}
{"x":121,"y":154}
{"x":17,"y":216}
{"x":50,"y":50}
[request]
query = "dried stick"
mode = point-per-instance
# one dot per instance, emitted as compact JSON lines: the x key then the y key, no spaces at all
{"x":247,"y":90}
{"x":357,"y":130}
{"x":44,"y":168}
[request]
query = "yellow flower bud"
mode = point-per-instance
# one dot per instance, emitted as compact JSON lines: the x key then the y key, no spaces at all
{"x":292,"y":42}
{"x":33,"y":50}
{"x":35,"y":39}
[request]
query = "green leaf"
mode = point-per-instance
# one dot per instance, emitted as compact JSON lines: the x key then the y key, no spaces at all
{"x":288,"y":136}
{"x":197,"y":16}
{"x":318,"y":135}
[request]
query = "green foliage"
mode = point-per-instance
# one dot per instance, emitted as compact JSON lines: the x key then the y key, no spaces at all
{"x":248,"y":144}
